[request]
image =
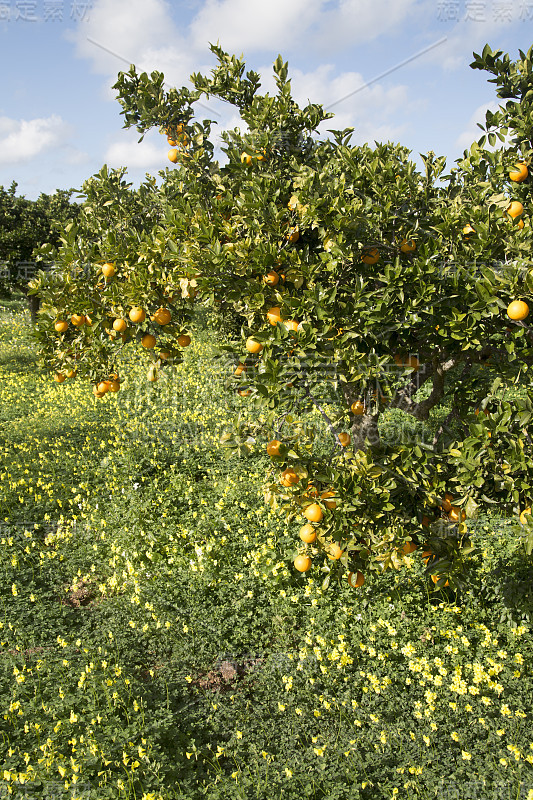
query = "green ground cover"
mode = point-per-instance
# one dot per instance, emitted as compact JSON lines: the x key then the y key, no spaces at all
{"x":156,"y":642}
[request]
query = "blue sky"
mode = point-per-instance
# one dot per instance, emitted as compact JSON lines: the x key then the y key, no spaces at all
{"x":60,"y":121}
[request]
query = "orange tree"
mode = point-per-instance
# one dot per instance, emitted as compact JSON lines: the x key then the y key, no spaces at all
{"x":368,"y":290}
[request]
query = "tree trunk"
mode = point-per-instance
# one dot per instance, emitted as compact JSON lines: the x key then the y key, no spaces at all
{"x":33,"y":302}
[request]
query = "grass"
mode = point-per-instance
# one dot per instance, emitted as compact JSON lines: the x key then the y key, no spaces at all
{"x":156,"y":643}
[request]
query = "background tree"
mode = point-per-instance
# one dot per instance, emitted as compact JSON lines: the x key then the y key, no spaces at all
{"x":25,"y":225}
{"x":367,"y":289}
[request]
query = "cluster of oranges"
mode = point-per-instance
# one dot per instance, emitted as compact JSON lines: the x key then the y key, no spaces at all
{"x":178,"y":141}
{"x":137,"y":315}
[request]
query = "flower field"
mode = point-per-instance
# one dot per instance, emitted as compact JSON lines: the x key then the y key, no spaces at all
{"x":157,"y":643}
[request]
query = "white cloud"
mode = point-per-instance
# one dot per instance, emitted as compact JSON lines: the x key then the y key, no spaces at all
{"x":355,"y":22}
{"x":139,"y":32}
{"x":151,"y":153}
{"x":253,"y":25}
{"x":23,"y":140}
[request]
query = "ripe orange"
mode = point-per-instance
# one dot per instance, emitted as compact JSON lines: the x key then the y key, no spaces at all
{"x":407,"y":246}
{"x":240,"y":368}
{"x":274,"y":315}
{"x":345,"y":439}
{"x":408,"y":547}
{"x":108,"y":269}
{"x":520,"y":174}
{"x":293,"y":234}
{"x":446,"y":504}
{"x":426,"y":555}
{"x":370,"y":256}
{"x":114,"y":385}
{"x":356,"y":579}
{"x":252,"y":346}
{"x":515,"y":209}
{"x":425,"y":521}
{"x":77,"y":319}
{"x":173,"y":155}
{"x":137,"y":314}
{"x":59,"y":377}
{"x":246,"y":158}
{"x":436,"y":579}
{"x":289,"y":477}
{"x":523,"y":515}
{"x":313,"y":513}
{"x":273,"y":447}
{"x":334,"y":551}
{"x":292,"y":324}
{"x":456,"y":514}
{"x":517,"y":310}
{"x":61,"y":325}
{"x":184,"y":340}
{"x":102,"y":387}
{"x":357,"y":408}
{"x":468,"y":229}
{"x":164,"y":354}
{"x":97,"y":393}
{"x":71,"y":373}
{"x":148,"y":341}
{"x":412,"y":362}
{"x":312,"y":491}
{"x":120,"y":325}
{"x":331,"y":504}
{"x":307,"y":534}
{"x":302,"y":563}
{"x":520,"y":224}
{"x":271,"y":278}
{"x":162,"y":316}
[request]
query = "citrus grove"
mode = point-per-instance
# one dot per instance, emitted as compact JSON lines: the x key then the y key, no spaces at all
{"x":362,"y":287}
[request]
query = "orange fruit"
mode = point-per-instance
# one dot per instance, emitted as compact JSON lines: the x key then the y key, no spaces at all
{"x":426,"y":555}
{"x":120,"y":325}
{"x":252,"y":346}
{"x":271,"y":278}
{"x":114,"y":385}
{"x":184,"y":340}
{"x":148,"y":341}
{"x":137,"y":314}
{"x":425,"y":521}
{"x":102,"y":387}
{"x":468,"y":229}
{"x":370,"y":256}
{"x":312,"y":491}
{"x":97,"y":393}
{"x":356,"y":579}
{"x":274,"y":315}
{"x":240,"y":368}
{"x":273,"y":447}
{"x":313,"y":513}
{"x":292,"y":325}
{"x":173,"y":155}
{"x":517,"y":310}
{"x":412,"y":362}
{"x":289,"y":477}
{"x":345,"y":439}
{"x":520,"y":224}
{"x":515,"y":209}
{"x":436,"y":578}
{"x":246,"y":158}
{"x":302,"y":563}
{"x":357,"y":408}
{"x":334,"y":551}
{"x":520,"y":174}
{"x":162,"y":316}
{"x":307,"y":534}
{"x":61,"y":325}
{"x":108,"y":269}
{"x":407,"y":246}
{"x":331,"y":504}
{"x":71,"y":373}
{"x":408,"y":547}
{"x":523,"y":515}
{"x":77,"y":319}
{"x":293,"y":234}
{"x":164,"y":354}
{"x":59,"y":377}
